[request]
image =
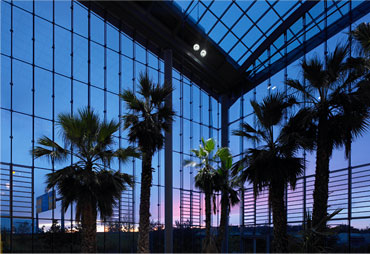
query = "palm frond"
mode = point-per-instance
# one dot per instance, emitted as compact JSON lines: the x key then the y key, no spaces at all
{"x":55,"y":151}
{"x":145,"y":85}
{"x":190,"y":163}
{"x":306,"y":91}
{"x":299,"y":132}
{"x":132,"y":102}
{"x":149,"y":116}
{"x":336,"y":63}
{"x":362,"y":36}
{"x":124,"y":154}
{"x":209,"y":145}
{"x":160,"y":93}
{"x":313,"y":71}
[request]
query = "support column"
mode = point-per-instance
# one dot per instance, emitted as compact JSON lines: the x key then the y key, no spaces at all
{"x":225,"y":103}
{"x":225,"y":122}
{"x":168,"y":160}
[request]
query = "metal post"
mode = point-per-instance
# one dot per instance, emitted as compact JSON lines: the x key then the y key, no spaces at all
{"x":11,"y":128}
{"x":168,"y":158}
{"x":33,"y":129}
{"x":89,"y":57}
{"x":133,"y":246}
{"x":254,"y":196}
{"x":225,"y":122}
{"x":241,"y":140}
{"x":349,"y":212}
{"x":71,"y":101}
{"x":225,"y":143}
{"x":304,"y":151}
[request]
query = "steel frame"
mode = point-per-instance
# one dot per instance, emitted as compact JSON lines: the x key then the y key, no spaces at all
{"x":226,"y":103}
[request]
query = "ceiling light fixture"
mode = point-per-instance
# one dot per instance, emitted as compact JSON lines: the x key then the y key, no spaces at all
{"x":203,"y":53}
{"x":196,"y":47}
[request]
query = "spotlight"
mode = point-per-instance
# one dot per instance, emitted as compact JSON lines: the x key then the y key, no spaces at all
{"x":274,"y":87}
{"x":196,"y":47}
{"x":203,"y":53}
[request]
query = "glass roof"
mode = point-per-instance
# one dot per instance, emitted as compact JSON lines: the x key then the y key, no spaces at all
{"x":239,"y":27}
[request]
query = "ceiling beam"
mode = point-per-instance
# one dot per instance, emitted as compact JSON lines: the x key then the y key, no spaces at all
{"x":280,"y":30}
{"x":357,"y":13}
{"x":154,"y":27}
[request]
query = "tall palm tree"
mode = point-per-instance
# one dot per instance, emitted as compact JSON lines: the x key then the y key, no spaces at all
{"x":362,"y":36}
{"x":338,"y":108}
{"x":272,"y":165}
{"x":226,"y":185}
{"x":204,"y":180}
{"x":88,"y":182}
{"x":147,"y":119}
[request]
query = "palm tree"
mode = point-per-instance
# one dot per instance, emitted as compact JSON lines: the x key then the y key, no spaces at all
{"x":337,"y":108}
{"x":146,"y":120}
{"x":88,"y":182}
{"x":273,"y":164}
{"x":362,"y":36}
{"x":229,"y":196}
{"x":204,"y":180}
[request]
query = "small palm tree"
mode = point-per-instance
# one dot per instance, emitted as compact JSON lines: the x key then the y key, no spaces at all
{"x":226,"y":185}
{"x":88,"y":182}
{"x":147,"y":119}
{"x":204,"y":180}
{"x":337,"y":113}
{"x":273,"y":164}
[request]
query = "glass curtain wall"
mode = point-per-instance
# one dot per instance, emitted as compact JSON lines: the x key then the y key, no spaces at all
{"x":58,"y":57}
{"x":347,"y":176}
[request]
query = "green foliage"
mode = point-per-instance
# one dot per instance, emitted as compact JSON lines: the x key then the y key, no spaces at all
{"x":308,"y":240}
{"x":214,"y":175}
{"x":272,"y":164}
{"x":362,"y":36}
{"x":336,"y":93}
{"x":273,"y":161}
{"x":88,"y":181}
{"x":223,"y":182}
{"x":148,"y":115}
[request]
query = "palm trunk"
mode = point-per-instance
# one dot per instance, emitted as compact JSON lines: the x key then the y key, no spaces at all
{"x":208,"y":215}
{"x":223,"y":220}
{"x":321,"y":191}
{"x":88,"y":224}
{"x":280,"y":242}
{"x":208,"y":242}
{"x":146,"y":182}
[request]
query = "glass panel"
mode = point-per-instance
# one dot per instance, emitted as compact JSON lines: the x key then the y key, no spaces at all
{"x":44,"y":9}
{"x":5,"y":27}
{"x":5,"y":135}
{"x":62,"y":51}
{"x":231,"y":15}
{"x":207,"y":21}
{"x":43,"y":93}
{"x":63,"y":13}
{"x":80,"y":22}
{"x":22,"y":35}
